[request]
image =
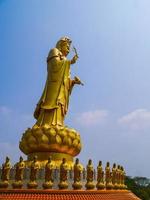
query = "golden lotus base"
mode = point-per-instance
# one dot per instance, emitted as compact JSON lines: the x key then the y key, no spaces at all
{"x":48,"y":141}
{"x":17,"y":185}
{"x":109,"y":186}
{"x":63,"y":185}
{"x":32,"y":185}
{"x":100,"y":185}
{"x":90,"y":185}
{"x":4,"y":184}
{"x":77,"y":185}
{"x":48,"y":185}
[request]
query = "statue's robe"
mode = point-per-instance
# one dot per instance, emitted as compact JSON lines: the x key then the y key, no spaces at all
{"x":5,"y":171}
{"x":53,"y":103}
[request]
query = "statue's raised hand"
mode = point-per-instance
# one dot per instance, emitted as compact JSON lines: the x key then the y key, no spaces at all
{"x":74,"y":59}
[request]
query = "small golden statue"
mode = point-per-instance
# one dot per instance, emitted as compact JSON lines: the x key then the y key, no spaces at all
{"x":90,"y":176}
{"x":121,"y":178}
{"x":114,"y":176}
{"x":33,"y":174}
{"x":108,"y":176}
{"x":48,"y":174}
{"x":100,"y":176}
{"x":63,"y":175}
{"x":118,"y":174}
{"x":123,"y":174}
{"x":124,"y":177}
{"x":20,"y":166}
{"x":77,"y":175}
{"x":49,"y":134}
{"x":5,"y":174}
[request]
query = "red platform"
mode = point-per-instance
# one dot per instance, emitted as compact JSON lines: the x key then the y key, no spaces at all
{"x":29,"y":194}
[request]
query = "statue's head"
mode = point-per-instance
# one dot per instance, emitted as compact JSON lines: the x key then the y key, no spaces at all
{"x":64,"y":45}
{"x":100,"y":163}
{"x":64,"y":160}
{"x":21,"y":159}
{"x":114,"y":165}
{"x":77,"y":160}
{"x":49,"y":159}
{"x":90,"y":162}
{"x":107,"y":164}
{"x":35,"y":158}
{"x":7,"y":159}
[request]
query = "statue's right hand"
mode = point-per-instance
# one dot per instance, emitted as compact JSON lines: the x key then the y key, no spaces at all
{"x":74,"y":59}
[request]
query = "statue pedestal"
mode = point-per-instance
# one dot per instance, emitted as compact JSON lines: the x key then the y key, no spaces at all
{"x":17,"y":185}
{"x":32,"y":185}
{"x":4,"y":184}
{"x":48,"y":185}
{"x":57,"y":142}
{"x":56,"y":159}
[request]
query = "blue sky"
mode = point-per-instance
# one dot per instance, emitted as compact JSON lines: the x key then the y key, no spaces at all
{"x":112,"y":110}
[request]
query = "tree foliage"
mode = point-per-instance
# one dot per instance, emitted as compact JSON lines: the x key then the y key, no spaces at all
{"x":143,"y":192}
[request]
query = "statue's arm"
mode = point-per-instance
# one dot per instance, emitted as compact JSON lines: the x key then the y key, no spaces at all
{"x":8,"y":166}
{"x":74,"y":81}
{"x":56,"y":60}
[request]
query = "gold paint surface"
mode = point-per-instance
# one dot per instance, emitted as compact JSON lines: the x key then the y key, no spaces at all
{"x":49,"y":135}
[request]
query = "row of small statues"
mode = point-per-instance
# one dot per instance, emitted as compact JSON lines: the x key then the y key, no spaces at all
{"x":111,"y":179}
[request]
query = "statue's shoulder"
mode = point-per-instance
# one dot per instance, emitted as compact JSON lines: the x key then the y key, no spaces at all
{"x":54,"y":53}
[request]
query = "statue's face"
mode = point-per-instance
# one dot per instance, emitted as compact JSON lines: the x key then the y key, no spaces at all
{"x":65,"y":48}
{"x":49,"y":159}
{"x":21,"y":159}
{"x":35,"y":158}
{"x":90,"y":162}
{"x":7,"y":159}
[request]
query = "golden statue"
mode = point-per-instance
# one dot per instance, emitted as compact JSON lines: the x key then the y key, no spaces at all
{"x":123,"y":174}
{"x":20,"y":166}
{"x":53,"y":104}
{"x":108,"y":176}
{"x":5,"y":173}
{"x":48,"y":174}
{"x":33,"y":174}
{"x":49,"y":136}
{"x":100,"y":176}
{"x":114,"y":176}
{"x":124,"y":177}
{"x":63,"y":175}
{"x":118,"y":173}
{"x":90,"y":176}
{"x":77,"y":175}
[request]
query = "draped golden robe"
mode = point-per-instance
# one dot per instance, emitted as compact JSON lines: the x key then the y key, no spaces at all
{"x":53,"y":104}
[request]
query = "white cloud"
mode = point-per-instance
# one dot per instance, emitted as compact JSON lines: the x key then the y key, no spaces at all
{"x":136,"y":120}
{"x":91,"y":118}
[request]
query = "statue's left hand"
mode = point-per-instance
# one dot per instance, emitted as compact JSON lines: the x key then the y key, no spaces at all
{"x":74,"y":59}
{"x":77,"y":81}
